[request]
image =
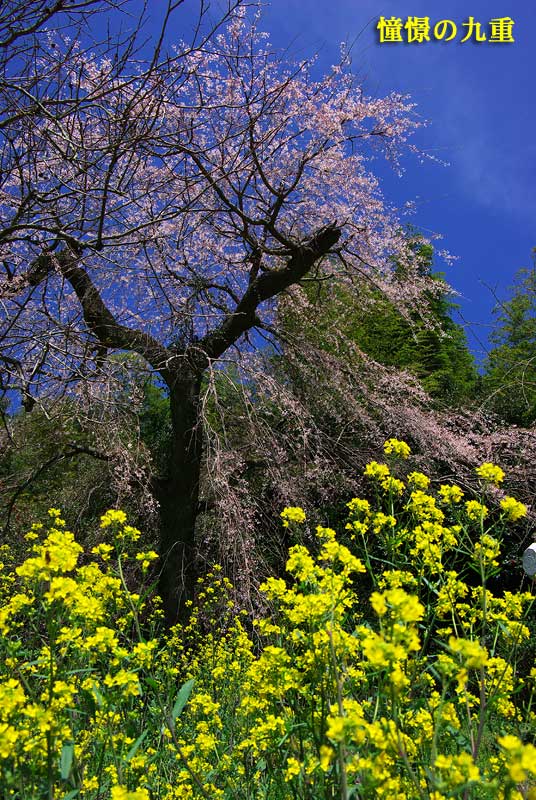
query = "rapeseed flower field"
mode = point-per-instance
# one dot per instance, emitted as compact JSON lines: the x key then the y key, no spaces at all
{"x":384,"y":665}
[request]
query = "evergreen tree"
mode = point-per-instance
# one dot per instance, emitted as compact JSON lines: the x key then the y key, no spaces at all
{"x":434,"y":349}
{"x":510,"y":379}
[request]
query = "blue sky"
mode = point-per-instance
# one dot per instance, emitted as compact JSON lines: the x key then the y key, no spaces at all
{"x":479,"y":100}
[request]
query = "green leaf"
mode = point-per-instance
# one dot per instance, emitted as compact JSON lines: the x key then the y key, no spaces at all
{"x":98,"y":696}
{"x":66,"y":760}
{"x":136,"y":745}
{"x":182,"y":699}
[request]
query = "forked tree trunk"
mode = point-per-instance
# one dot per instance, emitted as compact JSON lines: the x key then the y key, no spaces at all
{"x":178,"y":496}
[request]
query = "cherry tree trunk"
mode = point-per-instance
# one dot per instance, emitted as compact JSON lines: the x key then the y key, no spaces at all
{"x":178,"y":495}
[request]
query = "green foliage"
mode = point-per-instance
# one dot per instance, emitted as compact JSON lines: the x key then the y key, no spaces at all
{"x":40,"y":460}
{"x":510,"y":377}
{"x":72,"y":452}
{"x":435,"y":352}
{"x":434,"y":349}
{"x":155,"y":422}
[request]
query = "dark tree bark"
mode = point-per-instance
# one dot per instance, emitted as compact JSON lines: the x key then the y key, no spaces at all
{"x":178,"y":495}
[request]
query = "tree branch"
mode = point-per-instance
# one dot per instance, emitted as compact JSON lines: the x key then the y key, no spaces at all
{"x":103,"y":325}
{"x":264,"y":287}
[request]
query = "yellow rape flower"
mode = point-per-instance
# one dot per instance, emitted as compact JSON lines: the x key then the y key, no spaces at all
{"x":58,"y":553}
{"x":274,"y":588}
{"x":475,"y":510}
{"x":393,"y":485}
{"x":450,"y":493}
{"x":487,"y":550}
{"x":128,"y":534}
{"x":292,"y":514}
{"x":418,"y":480}
{"x":424,"y":506}
{"x":403,"y":607}
{"x":513,"y":509}
{"x":103,"y":550}
{"x":460,"y":769}
{"x":473,"y":654}
{"x":300,"y":563}
{"x":381,"y":521}
{"x":113,"y":516}
{"x":397,"y":447}
{"x":126,"y":681}
{"x":376,"y":470}
{"x":293,"y":768}
{"x":9,"y":737}
{"x":398,"y":678}
{"x":146,"y":558}
{"x":12,"y":697}
{"x":359,"y":506}
{"x":521,"y":759}
{"x":55,"y":513}
{"x":143,"y":652}
{"x":490,"y":473}
{"x":122,"y":793}
{"x":326,"y":756}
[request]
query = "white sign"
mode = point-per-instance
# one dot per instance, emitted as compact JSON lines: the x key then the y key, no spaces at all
{"x":529,"y":560}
